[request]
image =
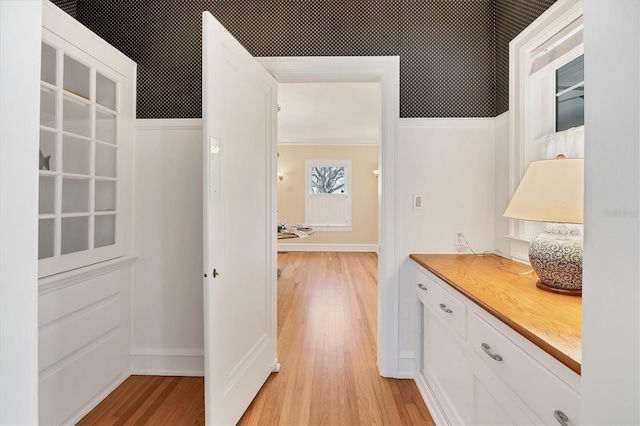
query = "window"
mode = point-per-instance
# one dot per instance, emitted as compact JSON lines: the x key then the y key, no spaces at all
{"x":570,"y":94}
{"x":546,"y":89}
{"x":328,"y":179}
{"x":328,"y":194}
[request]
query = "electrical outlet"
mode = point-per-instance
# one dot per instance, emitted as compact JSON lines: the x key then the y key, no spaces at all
{"x":459,"y":240}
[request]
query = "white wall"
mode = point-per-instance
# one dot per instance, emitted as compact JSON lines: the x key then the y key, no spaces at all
{"x":20,"y":26}
{"x":450,"y":162}
{"x":502,"y":196}
{"x":611,"y":288}
{"x":167,"y":308}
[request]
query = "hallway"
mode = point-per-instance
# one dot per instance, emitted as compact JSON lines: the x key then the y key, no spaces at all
{"x":327,"y":313}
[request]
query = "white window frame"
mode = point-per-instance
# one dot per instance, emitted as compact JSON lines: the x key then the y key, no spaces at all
{"x":532,"y":99}
{"x":308,"y":199}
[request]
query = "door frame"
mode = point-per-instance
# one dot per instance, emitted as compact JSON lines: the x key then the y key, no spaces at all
{"x":386,"y":71}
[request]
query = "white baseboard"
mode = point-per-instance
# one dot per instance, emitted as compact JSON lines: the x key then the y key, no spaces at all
{"x":154,"y":362}
{"x":93,"y":403}
{"x":430,"y":400}
{"x":406,"y":365}
{"x":369,"y":248}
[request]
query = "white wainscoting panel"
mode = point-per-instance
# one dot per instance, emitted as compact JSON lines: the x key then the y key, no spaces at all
{"x":168,"y":321}
{"x":450,"y":163}
{"x":502,"y":195}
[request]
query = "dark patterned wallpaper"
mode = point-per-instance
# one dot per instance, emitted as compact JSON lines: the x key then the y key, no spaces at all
{"x":447,"y":59}
{"x":452,"y":52}
{"x":69,"y":6}
{"x":512,"y":16}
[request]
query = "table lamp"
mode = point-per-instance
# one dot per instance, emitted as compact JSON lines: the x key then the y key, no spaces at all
{"x":553,"y":191}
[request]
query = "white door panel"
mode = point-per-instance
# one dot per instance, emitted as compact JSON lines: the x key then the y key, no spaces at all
{"x":239,"y":132}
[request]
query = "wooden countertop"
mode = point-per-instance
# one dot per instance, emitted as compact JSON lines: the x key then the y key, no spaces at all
{"x":551,"y":321}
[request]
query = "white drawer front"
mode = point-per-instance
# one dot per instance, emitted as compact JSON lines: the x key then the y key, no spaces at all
{"x":443,"y":304}
{"x":538,"y":387}
{"x":423,"y":285}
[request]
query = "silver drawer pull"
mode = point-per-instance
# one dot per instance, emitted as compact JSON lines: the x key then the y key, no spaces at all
{"x":421,"y":287}
{"x":561,"y":417}
{"x":487,"y":349}
{"x":444,"y":308}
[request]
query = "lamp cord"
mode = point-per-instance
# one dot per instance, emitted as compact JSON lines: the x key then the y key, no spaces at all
{"x":495,"y":253}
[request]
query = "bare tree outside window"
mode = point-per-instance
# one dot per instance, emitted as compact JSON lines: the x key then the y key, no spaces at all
{"x":328,"y":180}
{"x":327,"y":205}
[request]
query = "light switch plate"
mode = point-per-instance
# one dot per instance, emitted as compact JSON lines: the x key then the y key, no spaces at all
{"x":418,"y":202}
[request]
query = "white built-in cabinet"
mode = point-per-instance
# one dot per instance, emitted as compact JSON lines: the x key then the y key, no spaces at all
{"x":86,"y":129}
{"x":474,"y":370}
{"x":87,"y":112}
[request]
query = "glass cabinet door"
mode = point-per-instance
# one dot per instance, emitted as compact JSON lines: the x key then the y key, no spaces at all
{"x":79,"y":145}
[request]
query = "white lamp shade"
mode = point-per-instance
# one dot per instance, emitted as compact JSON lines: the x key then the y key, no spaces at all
{"x":550,"y":191}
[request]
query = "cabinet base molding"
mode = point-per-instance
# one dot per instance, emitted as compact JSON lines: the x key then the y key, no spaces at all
{"x":84,"y":410}
{"x":406,"y":365}
{"x":430,"y":400}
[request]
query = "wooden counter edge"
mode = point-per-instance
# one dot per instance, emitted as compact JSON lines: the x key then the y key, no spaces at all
{"x":547,"y":347}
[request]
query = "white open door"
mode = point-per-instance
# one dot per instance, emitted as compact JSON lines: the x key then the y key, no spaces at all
{"x":239,"y":107}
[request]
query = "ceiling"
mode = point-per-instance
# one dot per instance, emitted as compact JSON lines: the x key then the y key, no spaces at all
{"x":329,"y":113}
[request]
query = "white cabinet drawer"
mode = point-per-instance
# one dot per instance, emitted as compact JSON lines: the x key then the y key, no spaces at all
{"x":445,"y":305}
{"x":423,"y":285}
{"x":533,"y":383}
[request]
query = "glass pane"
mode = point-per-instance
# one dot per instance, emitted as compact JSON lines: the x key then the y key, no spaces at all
{"x":105,"y":160}
{"x":105,"y":92}
{"x":76,"y":117}
{"x":47,"y":150}
{"x":76,"y":77}
{"x":47,"y":107}
{"x":76,"y":155}
{"x":47,"y":195}
{"x":105,"y":196}
{"x":75,"y":195}
{"x":328,"y":180}
{"x":46,"y":238}
{"x":105,"y":127}
{"x":570,"y":110}
{"x":105,"y":231}
{"x":48,"y":64}
{"x":74,"y":234}
{"x":570,"y":74}
{"x":570,"y":104}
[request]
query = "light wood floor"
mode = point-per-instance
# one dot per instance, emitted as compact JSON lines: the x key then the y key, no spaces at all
{"x":327,"y":313}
